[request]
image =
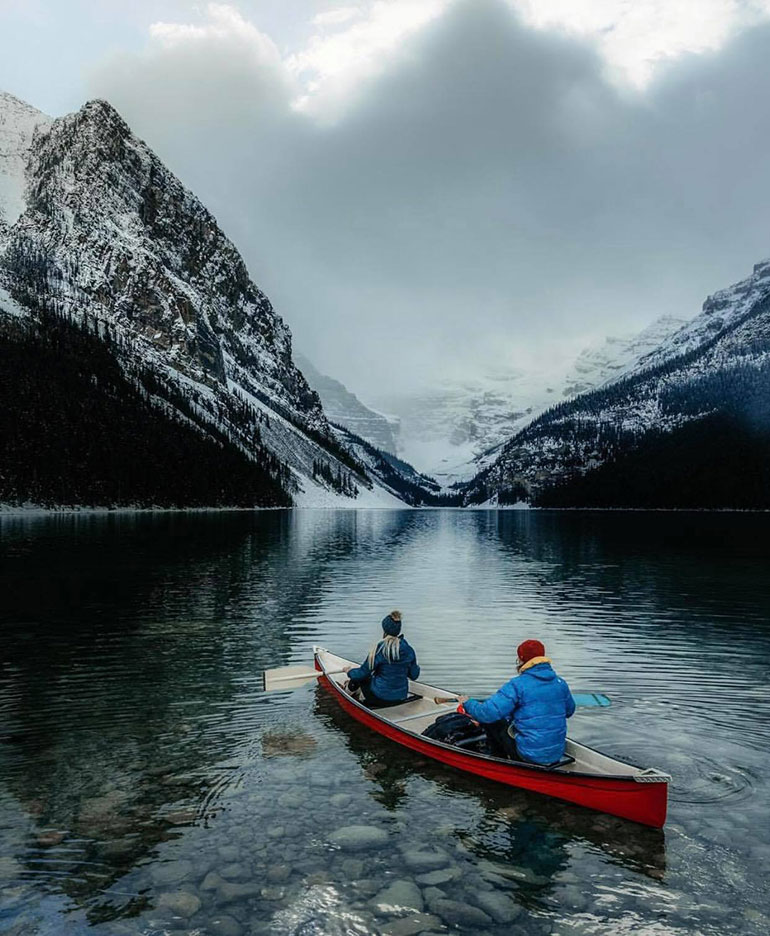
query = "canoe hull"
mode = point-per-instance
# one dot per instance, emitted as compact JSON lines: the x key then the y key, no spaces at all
{"x":645,"y":803}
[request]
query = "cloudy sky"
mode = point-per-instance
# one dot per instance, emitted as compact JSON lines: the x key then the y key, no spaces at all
{"x":432,"y":189}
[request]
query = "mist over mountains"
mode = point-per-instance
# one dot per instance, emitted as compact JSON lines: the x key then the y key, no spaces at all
{"x":451,"y":430}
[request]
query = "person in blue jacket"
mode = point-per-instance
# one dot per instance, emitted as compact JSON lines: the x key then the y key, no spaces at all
{"x":385,"y":673}
{"x":526,"y":719}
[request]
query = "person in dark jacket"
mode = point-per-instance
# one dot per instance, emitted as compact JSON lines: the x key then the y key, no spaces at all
{"x":526,"y":719}
{"x":385,"y":673}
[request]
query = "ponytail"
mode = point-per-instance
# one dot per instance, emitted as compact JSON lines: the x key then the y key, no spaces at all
{"x":390,"y":647}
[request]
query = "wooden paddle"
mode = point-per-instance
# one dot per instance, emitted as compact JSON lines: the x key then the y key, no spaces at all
{"x":582,"y":699}
{"x":290,"y":677}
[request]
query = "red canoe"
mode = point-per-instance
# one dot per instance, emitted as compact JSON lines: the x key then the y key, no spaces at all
{"x":587,"y":778}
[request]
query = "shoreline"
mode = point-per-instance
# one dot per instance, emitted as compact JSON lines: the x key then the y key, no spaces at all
{"x":33,"y":510}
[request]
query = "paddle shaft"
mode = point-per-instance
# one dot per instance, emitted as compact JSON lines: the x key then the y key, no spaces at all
{"x":314,"y":675}
{"x":275,"y":679}
{"x":284,"y":678}
{"x":582,"y":699}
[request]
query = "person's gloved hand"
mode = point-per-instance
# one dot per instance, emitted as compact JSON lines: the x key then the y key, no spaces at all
{"x":462,"y":699}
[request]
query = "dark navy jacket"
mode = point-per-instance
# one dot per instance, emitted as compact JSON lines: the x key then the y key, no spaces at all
{"x":389,"y":681}
{"x":538,"y":702}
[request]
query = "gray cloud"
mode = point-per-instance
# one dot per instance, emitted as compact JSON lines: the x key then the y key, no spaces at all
{"x":489,"y":198}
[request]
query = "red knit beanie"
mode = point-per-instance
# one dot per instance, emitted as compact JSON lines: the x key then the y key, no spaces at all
{"x":530,"y":649}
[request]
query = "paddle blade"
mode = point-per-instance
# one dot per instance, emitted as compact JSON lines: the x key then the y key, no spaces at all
{"x":591,"y":699}
{"x":289,"y":677}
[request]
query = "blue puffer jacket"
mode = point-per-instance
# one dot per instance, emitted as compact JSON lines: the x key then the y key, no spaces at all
{"x":389,"y":681}
{"x":539,"y":703}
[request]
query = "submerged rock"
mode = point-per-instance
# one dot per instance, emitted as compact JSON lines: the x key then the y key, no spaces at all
{"x":170,"y":872}
{"x":433,"y":893}
{"x":493,"y":871}
{"x":412,"y":925}
{"x":211,"y":881}
{"x":340,"y":800}
{"x":229,"y":852}
{"x":442,"y":876}
{"x":368,"y":886}
{"x":459,"y":914}
{"x":278,"y":874}
{"x":353,"y":868}
{"x":359,"y":837}
{"x":426,"y":860}
{"x":290,"y":744}
{"x":291,"y":800}
{"x":46,"y":839}
{"x":499,"y":906}
{"x":224,"y":925}
{"x":398,"y":897}
{"x":272,"y":893}
{"x":180,"y":903}
{"x":229,"y":891}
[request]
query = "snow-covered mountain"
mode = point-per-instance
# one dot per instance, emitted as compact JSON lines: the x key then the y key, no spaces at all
{"x":615,"y":356}
{"x":345,"y":409}
{"x":453,"y":431}
{"x":687,"y":425}
{"x":96,"y":231}
{"x":18,"y":122}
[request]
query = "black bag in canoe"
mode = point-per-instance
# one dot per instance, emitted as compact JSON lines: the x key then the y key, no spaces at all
{"x":457,"y":729}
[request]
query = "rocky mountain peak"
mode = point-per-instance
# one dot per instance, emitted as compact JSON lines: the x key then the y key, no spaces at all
{"x":110,"y":232}
{"x":18,"y":122}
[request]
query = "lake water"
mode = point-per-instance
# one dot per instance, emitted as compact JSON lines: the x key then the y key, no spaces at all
{"x":149,"y":785}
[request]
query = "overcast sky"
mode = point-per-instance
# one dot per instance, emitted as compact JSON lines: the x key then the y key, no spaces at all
{"x":439,"y":188}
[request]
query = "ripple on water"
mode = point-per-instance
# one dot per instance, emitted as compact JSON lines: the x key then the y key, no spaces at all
{"x":701,"y":780}
{"x":697,"y":779}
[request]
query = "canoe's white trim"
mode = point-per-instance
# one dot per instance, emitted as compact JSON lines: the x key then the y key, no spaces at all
{"x":439,"y":710}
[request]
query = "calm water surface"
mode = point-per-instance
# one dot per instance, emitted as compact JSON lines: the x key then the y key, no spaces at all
{"x":149,"y":785}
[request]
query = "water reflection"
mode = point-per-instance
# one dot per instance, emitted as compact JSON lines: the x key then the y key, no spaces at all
{"x":147,"y":781}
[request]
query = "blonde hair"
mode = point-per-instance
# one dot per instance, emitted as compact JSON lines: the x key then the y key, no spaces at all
{"x":390,"y":645}
{"x":391,"y":649}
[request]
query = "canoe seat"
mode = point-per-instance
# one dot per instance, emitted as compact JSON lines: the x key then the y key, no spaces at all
{"x":385,"y":703}
{"x":564,"y":762}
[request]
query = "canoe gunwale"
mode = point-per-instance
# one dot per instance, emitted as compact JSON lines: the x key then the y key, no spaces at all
{"x":645,"y":775}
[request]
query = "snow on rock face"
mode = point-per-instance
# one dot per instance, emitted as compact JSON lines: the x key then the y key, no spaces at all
{"x":666,"y":388}
{"x":343,"y":407}
{"x":597,"y":365}
{"x":721,"y":312}
{"x":18,"y":122}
